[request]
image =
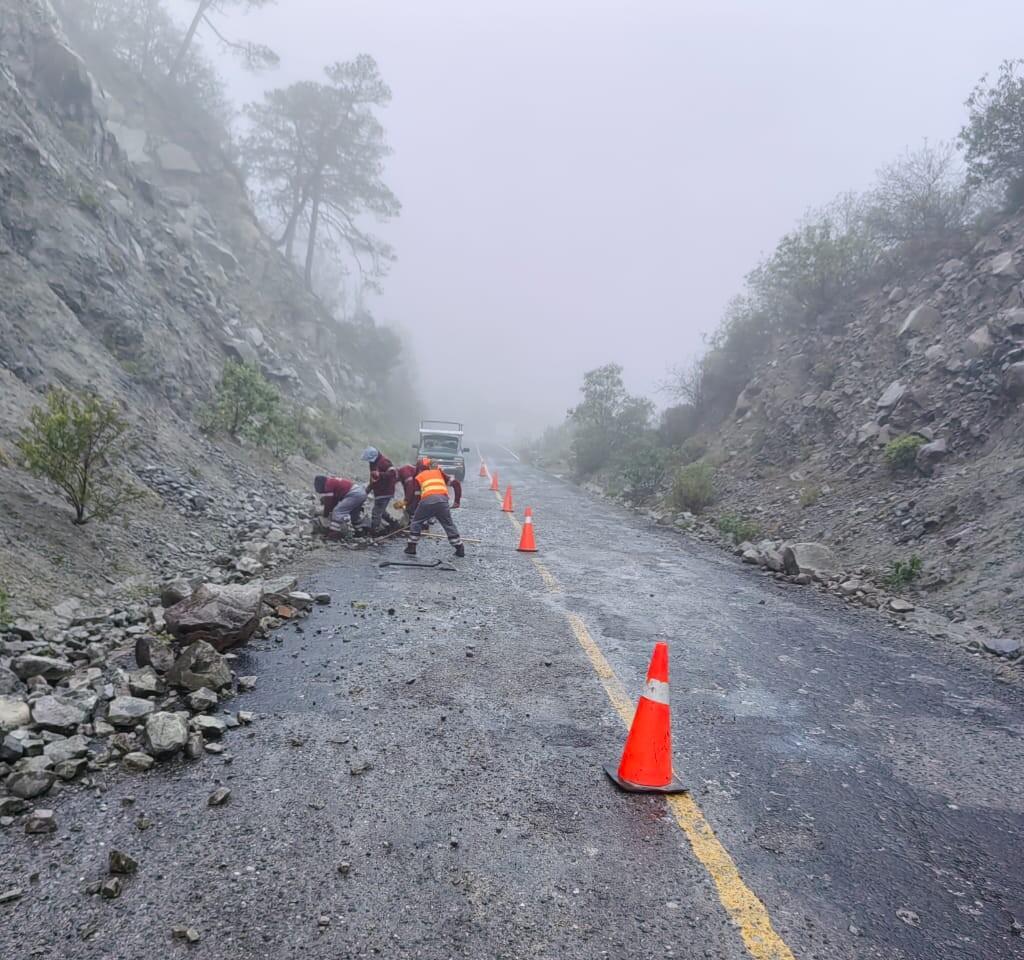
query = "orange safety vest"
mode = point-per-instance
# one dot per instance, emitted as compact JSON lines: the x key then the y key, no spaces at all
{"x":432,"y":483}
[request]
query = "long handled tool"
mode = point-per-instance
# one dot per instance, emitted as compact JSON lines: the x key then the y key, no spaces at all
{"x":432,"y":565}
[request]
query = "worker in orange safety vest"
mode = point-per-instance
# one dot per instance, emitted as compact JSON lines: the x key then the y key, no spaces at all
{"x":432,"y":486}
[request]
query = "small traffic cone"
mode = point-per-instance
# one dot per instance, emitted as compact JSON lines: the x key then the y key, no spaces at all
{"x":526,"y":542}
{"x":646,"y":765}
{"x":494,"y":482}
{"x":483,"y":469}
{"x":506,"y":505}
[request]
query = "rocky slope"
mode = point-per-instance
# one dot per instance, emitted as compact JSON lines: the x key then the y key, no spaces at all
{"x":132,"y":263}
{"x":939,"y":357}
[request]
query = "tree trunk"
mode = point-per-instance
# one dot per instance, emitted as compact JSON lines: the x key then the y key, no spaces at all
{"x":314,"y":222}
{"x":179,"y":60}
{"x":288,"y":239}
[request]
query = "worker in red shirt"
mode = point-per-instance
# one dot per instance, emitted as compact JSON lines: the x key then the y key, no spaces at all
{"x":432,"y":491}
{"x":383,"y":477}
{"x":342,"y":501}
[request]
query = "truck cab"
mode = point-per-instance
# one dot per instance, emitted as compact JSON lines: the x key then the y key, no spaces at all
{"x":441,"y":440}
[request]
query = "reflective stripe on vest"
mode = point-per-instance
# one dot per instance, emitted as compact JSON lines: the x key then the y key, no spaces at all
{"x":432,"y":483}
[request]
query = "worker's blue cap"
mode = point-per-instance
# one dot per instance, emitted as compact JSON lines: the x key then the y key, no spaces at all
{"x":370,"y":454}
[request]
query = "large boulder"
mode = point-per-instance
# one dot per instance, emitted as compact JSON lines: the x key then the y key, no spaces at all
{"x":14,"y":713}
{"x":166,"y":733}
{"x":51,"y":669}
{"x":892,"y":395}
{"x":980,"y":342}
{"x":223,"y":615}
{"x":922,"y":319}
{"x":155,"y":653}
{"x":59,"y":714}
{"x":128,"y":711}
{"x":813,"y":558}
{"x":1003,"y":265}
{"x":198,"y":666}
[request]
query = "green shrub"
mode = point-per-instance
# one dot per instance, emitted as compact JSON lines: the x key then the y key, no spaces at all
{"x":901,"y":453}
{"x":741,"y":528}
{"x":693,"y":448}
{"x":5,"y":610}
{"x":78,"y":443}
{"x":693,"y":488}
{"x":245,"y":403}
{"x":809,"y":496}
{"x":904,"y":572}
{"x":330,"y":433}
{"x":644,"y":473}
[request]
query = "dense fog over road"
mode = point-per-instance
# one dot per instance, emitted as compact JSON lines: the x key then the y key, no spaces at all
{"x":583,"y":181}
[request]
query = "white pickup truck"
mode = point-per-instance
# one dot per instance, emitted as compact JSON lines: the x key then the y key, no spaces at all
{"x":441,"y":440}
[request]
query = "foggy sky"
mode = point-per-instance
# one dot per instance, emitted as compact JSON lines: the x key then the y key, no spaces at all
{"x":587,"y":180}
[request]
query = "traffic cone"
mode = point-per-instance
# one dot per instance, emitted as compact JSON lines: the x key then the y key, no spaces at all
{"x":494,"y":482}
{"x":506,"y":506}
{"x":526,"y":542}
{"x":646,"y":765}
{"x":483,"y":469}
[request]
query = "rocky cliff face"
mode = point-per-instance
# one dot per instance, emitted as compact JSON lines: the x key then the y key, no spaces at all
{"x":131,"y":262}
{"x":939,"y":358}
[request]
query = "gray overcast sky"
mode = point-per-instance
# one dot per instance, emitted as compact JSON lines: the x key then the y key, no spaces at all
{"x":587,"y":180}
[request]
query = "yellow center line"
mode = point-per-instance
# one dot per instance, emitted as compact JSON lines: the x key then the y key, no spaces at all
{"x":741,"y":903}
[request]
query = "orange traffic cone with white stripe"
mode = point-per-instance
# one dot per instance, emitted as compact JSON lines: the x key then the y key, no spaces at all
{"x":494,"y":482}
{"x":646,"y":765}
{"x":526,"y":542}
{"x":483,"y":469}
{"x":506,"y":506}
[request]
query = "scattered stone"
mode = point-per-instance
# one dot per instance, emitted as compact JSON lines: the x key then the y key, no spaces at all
{"x":219,"y":797}
{"x":120,"y":863}
{"x":344,"y":868}
{"x":9,"y":896}
{"x":29,"y":784}
{"x":166,"y":733}
{"x":70,"y":748}
{"x":41,"y":821}
{"x":358,"y":765}
{"x":1002,"y":265}
{"x":128,"y":711}
{"x":209,"y":727}
{"x":223,"y":615}
{"x":12,"y":806}
{"x":930,"y":454}
{"x":899,"y":605}
{"x":145,"y":682}
{"x":245,"y":717}
{"x":892,"y":395}
{"x":14,"y":713}
{"x":812,"y":558}
{"x":908,"y":917}
{"x":111,"y":888}
{"x":200,"y":665}
{"x":188,"y":934}
{"x":922,"y":319}
{"x":194,"y":747}
{"x":1002,"y":646}
{"x":174,"y":591}
{"x":1013,"y":380}
{"x":202,"y":700}
{"x":247,"y":683}
{"x":51,"y":669}
{"x":155,"y":653}
{"x":323,"y":598}
{"x":137,"y":761}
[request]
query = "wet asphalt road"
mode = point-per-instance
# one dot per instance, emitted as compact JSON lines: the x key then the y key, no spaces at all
{"x":439,"y":737}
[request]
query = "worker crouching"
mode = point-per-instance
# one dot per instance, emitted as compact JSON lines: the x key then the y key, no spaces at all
{"x":432,"y":491}
{"x":342,"y":501}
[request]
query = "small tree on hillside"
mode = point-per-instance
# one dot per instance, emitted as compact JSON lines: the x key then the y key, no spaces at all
{"x":79,"y":445}
{"x":993,"y":137}
{"x":244,"y":402}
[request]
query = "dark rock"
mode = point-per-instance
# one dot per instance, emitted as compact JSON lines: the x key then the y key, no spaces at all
{"x":199,"y":665}
{"x":128,"y":711}
{"x":41,"y":821}
{"x":219,"y":797}
{"x":224,"y":616}
{"x":51,"y":669}
{"x":155,"y":653}
{"x":166,"y":733}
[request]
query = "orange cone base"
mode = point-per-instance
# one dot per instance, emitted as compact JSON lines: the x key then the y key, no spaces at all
{"x":673,"y":786}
